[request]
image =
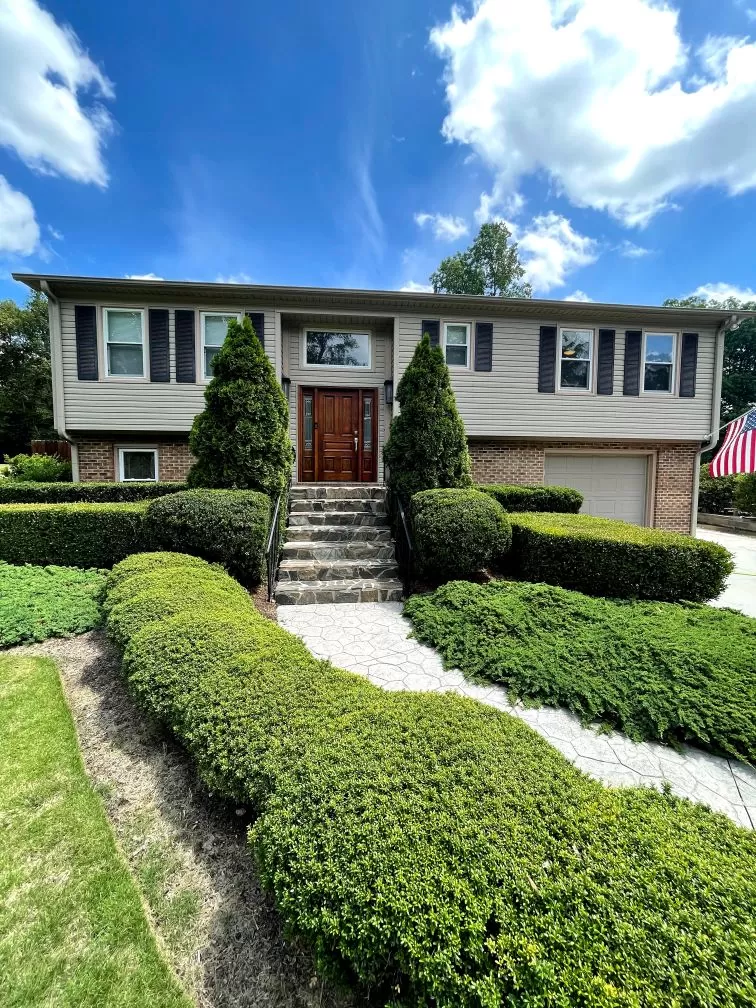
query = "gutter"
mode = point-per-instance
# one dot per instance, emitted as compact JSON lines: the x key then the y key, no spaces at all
{"x":716,"y":408}
{"x":56,"y":366}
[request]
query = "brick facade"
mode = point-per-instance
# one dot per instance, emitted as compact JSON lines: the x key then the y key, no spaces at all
{"x":673,"y":467}
{"x":97,"y":459}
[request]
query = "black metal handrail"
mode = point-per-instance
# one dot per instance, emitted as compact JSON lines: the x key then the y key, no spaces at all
{"x":404,"y":546}
{"x":273,"y":547}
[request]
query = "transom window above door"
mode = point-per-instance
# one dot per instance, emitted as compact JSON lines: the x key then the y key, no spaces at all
{"x":575,"y":359}
{"x":658,"y":362}
{"x":124,"y":342}
{"x":214,"y":331}
{"x":457,"y":344}
{"x":336,"y":348}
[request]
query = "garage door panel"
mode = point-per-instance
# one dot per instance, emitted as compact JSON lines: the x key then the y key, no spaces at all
{"x":614,"y":486}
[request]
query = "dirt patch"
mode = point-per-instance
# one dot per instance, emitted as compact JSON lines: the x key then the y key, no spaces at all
{"x":260,"y":599}
{"x":188,"y":854}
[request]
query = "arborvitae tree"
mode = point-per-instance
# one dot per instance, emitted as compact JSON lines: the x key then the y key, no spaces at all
{"x":241,"y":439}
{"x":427,"y":446}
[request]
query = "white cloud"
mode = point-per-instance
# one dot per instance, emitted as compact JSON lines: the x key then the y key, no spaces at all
{"x":234,"y":278}
{"x":550,"y":249}
{"x":579,"y":295}
{"x":602,"y":97}
{"x":508,"y":206}
{"x":19,"y":231}
{"x":722,"y":291}
{"x":445,"y":228}
{"x":416,"y":288}
{"x":143,"y":276}
{"x":54,"y":233}
{"x":50,"y":113}
{"x":630,"y":250}
{"x":750,"y":12}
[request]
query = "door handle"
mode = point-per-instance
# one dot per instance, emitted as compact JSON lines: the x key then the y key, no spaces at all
{"x":355,"y":440}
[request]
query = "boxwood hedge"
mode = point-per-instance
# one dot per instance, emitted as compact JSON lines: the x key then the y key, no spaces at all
{"x":656,"y":670}
{"x":74,"y":535}
{"x":12,"y":492}
{"x":458,"y":532}
{"x":613,"y":558}
{"x":435,"y":850}
{"x":534,"y":498}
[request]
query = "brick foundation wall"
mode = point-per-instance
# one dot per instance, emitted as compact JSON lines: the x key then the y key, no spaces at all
{"x":673,"y":465}
{"x":97,"y":459}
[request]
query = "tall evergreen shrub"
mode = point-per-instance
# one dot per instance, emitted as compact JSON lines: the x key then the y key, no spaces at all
{"x":241,"y":440}
{"x":427,"y":446}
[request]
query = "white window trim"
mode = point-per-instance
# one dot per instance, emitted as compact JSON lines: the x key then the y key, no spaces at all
{"x":672,"y":391}
{"x":140,"y":448}
{"x":468,"y":326}
{"x":106,"y":344}
{"x":336,"y":367}
{"x":591,"y":361}
{"x":202,"y":316}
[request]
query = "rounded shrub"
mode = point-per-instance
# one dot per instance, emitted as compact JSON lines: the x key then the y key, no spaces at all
{"x":745,"y":494}
{"x":716,"y":494}
{"x":40,"y":468}
{"x":534,"y":498}
{"x":458,"y":532}
{"x":138,"y":563}
{"x":225,"y":526}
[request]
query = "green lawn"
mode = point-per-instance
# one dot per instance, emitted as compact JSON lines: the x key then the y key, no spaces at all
{"x":655,"y":670}
{"x":72,"y":927}
{"x":41,"y":602}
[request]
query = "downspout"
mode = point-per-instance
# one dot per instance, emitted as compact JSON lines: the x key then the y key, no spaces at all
{"x":56,"y":367}
{"x":716,"y":407}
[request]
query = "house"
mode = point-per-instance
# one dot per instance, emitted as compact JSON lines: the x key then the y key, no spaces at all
{"x":615,"y":400}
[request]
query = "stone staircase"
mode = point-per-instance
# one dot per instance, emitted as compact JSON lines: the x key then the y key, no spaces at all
{"x":338,"y":547}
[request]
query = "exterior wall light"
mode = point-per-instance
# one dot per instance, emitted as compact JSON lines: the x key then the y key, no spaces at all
{"x":388,"y":391}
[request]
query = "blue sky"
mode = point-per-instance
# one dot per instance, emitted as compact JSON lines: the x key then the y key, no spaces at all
{"x":351,"y":144}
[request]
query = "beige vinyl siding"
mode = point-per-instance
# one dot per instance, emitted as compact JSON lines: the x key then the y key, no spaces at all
{"x":138,"y":404}
{"x":505,"y":402}
{"x":382,"y":333}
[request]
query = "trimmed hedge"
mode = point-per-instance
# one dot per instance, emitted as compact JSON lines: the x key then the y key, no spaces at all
{"x":534,"y":498}
{"x":12,"y":492}
{"x":613,"y":558}
{"x":226,"y":526}
{"x":655,"y":670}
{"x":436,"y":850}
{"x":72,"y":535}
{"x":458,"y":532}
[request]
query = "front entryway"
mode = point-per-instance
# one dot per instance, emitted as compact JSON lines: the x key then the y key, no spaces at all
{"x":337,"y":436}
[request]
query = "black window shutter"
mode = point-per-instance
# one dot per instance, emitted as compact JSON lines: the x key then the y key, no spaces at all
{"x":483,"y":346}
{"x":688,"y":364}
{"x":433,"y":328}
{"x":258,"y":324}
{"x":547,"y":348}
{"x":85,"y":322}
{"x":160,"y":363}
{"x":605,"y":380}
{"x":633,"y":340}
{"x":184,"y":324}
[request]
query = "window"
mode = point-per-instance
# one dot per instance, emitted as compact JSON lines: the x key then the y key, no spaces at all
{"x":327,"y":348}
{"x":457,"y":344}
{"x":137,"y":464}
{"x":214,"y":331}
{"x":575,"y":359}
{"x":124,"y":342}
{"x":658,"y":362}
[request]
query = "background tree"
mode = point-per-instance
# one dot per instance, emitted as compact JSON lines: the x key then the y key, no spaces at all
{"x":490,"y":266}
{"x":25,"y":379}
{"x":739,"y":368}
{"x":241,"y":439}
{"x":427,"y":446}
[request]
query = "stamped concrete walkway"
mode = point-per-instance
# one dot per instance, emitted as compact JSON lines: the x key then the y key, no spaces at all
{"x":372,"y":639}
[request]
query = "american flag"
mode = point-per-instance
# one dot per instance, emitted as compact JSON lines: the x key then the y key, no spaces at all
{"x":738,"y":451}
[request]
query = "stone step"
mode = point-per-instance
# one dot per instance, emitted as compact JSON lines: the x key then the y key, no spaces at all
{"x":350,"y":550}
{"x":355,"y":504}
{"x":338,"y":491}
{"x":336,"y":570}
{"x":338,"y":533}
{"x":347,"y":590}
{"x":353,"y":519}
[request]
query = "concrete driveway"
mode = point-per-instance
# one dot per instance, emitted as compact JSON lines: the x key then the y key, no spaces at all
{"x":740,"y":592}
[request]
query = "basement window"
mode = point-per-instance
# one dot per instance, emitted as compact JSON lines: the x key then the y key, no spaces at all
{"x":137,"y":464}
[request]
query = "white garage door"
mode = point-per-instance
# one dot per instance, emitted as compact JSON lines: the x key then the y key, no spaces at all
{"x":614,"y":486}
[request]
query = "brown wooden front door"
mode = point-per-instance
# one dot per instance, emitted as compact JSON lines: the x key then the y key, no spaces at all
{"x":338,"y":435}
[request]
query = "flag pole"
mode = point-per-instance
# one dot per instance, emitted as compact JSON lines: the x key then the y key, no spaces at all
{"x":737,"y":418}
